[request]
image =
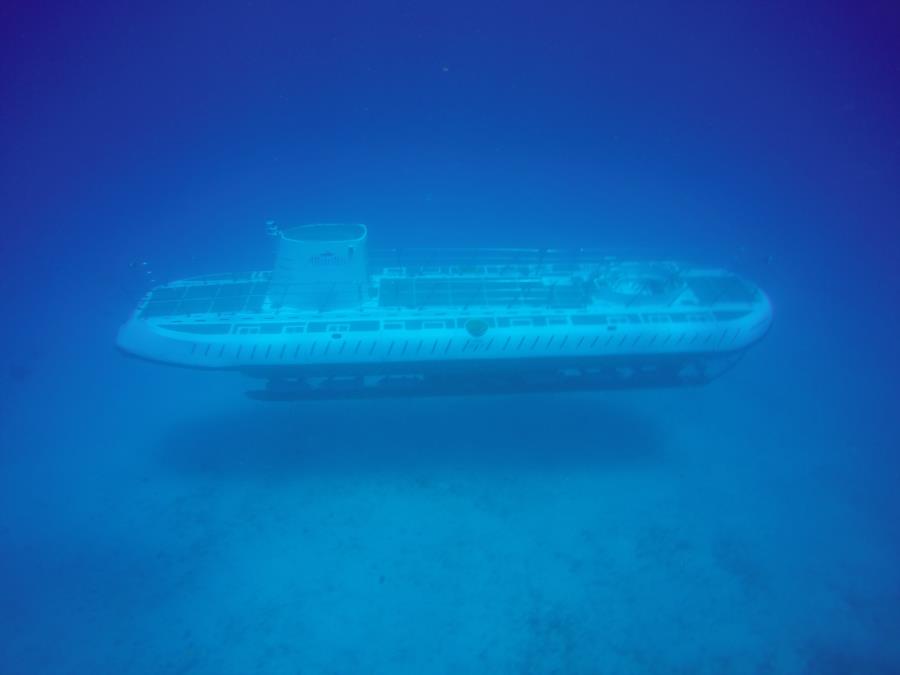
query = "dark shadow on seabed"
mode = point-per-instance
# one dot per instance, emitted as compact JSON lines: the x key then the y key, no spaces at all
{"x":545,"y":432}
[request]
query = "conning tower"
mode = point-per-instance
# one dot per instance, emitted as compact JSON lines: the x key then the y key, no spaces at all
{"x":320,"y":267}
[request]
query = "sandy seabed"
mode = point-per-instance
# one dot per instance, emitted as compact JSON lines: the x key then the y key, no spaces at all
{"x":155,"y":521}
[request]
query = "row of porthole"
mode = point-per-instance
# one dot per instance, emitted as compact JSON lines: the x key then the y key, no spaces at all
{"x":476,"y":327}
{"x":282,"y":351}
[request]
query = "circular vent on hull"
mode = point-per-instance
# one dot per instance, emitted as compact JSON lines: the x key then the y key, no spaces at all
{"x":640,"y":283}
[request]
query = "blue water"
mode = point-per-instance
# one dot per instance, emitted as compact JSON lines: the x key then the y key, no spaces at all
{"x":154,"y":520}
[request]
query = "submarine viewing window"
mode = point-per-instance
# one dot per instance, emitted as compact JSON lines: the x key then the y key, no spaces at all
{"x":729,"y":316}
{"x":463,"y":323}
{"x":202,"y":329}
{"x":364,"y":326}
{"x":271,"y":327}
{"x":698,"y":318}
{"x":589,"y":320}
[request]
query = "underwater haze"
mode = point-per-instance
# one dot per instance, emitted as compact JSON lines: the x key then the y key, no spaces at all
{"x":156,"y":520}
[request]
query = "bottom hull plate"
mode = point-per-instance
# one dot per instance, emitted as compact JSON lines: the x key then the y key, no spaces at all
{"x":600,"y":375}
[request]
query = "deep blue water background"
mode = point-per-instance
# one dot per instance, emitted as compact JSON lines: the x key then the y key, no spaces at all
{"x":154,"y":520}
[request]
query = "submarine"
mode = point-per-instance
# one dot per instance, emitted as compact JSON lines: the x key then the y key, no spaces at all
{"x":335,"y":320}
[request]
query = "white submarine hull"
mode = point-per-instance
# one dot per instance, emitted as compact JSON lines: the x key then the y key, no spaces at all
{"x":335,"y":321}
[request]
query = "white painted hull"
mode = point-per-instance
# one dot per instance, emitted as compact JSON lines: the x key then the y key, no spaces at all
{"x":331,"y":316}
